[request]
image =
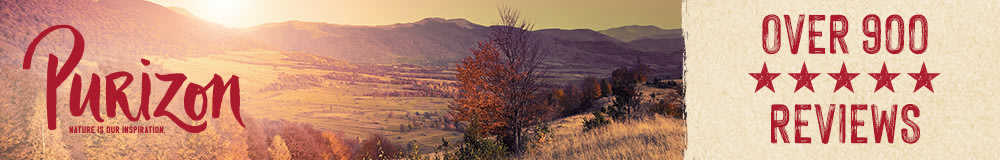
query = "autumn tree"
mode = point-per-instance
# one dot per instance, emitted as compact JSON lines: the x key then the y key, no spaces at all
{"x":556,"y":97}
{"x":342,"y":149}
{"x":591,"y":88}
{"x":590,"y":91}
{"x":572,"y":101}
{"x":377,"y":147}
{"x":605,"y":88}
{"x":499,"y":83}
{"x":278,"y":149}
{"x":256,"y":139}
{"x":305,"y":142}
{"x":16,"y":142}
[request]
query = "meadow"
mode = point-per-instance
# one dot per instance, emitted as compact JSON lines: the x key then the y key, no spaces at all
{"x":405,"y":103}
{"x":409,"y":103}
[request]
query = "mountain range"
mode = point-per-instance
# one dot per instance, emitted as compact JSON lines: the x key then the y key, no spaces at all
{"x":439,"y":41}
{"x":136,"y":27}
{"x":352,"y":79}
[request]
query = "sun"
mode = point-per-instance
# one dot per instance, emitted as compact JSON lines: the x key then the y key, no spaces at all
{"x":225,"y":12}
{"x":224,"y":6}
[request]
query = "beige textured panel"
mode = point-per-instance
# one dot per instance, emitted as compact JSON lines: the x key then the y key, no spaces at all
{"x":728,"y":120}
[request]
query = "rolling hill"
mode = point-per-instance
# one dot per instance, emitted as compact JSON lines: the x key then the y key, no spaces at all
{"x":438,"y":41}
{"x":636,"y":32}
{"x":429,"y":41}
{"x":649,"y":38}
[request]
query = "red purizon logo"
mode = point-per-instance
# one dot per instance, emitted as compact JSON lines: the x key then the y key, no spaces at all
{"x":115,"y":97}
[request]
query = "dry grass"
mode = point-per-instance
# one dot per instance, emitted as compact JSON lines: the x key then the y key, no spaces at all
{"x":657,"y":138}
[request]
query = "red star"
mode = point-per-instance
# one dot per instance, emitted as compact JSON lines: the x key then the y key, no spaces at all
{"x":764,"y":78}
{"x":923,"y":78}
{"x":884,"y":78}
{"x":843,"y":78}
{"x":804,"y":78}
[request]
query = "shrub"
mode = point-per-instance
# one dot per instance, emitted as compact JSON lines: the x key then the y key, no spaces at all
{"x":542,"y":135}
{"x":672,"y":104}
{"x":675,"y":102}
{"x":475,"y":146}
{"x":660,"y":107}
{"x":625,"y":80}
{"x":677,"y":111}
{"x":377,"y":147}
{"x":626,"y":105}
{"x":413,"y":152}
{"x":596,"y":122}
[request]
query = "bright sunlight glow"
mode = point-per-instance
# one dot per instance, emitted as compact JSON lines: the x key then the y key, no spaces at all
{"x":223,"y":11}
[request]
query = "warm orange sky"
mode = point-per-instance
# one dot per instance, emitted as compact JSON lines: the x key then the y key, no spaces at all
{"x":566,"y":14}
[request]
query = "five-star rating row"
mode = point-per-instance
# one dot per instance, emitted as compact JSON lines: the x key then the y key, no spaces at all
{"x":883,"y":79}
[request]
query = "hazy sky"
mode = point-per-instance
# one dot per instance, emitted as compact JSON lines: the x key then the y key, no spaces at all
{"x":566,"y":14}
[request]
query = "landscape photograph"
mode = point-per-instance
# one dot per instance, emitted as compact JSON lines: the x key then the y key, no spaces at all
{"x":342,"y":80}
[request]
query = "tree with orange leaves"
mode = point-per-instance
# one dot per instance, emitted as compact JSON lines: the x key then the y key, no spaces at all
{"x":499,"y":83}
